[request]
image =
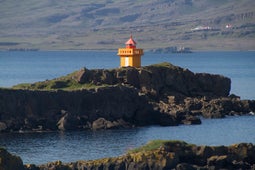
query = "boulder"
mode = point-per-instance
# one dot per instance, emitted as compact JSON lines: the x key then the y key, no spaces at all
{"x":31,"y":167}
{"x":243,"y":152}
{"x":219,"y":162}
{"x":83,"y":76}
{"x":108,"y":77}
{"x":185,"y":166}
{"x":191,"y":120}
{"x":213,"y":85}
{"x":68,"y":121}
{"x":102,"y":123}
{"x":9,"y":161}
{"x":242,"y":165}
{"x":159,"y":80}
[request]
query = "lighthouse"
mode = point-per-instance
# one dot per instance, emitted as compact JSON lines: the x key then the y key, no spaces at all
{"x":130,"y":56}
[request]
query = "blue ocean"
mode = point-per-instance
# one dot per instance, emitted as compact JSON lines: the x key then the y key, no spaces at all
{"x":32,"y":66}
{"x":27,"y":67}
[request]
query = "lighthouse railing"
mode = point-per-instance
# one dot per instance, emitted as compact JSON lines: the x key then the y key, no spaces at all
{"x":130,"y":51}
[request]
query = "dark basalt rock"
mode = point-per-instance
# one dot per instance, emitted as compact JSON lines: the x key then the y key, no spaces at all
{"x":69,"y":110}
{"x":160,"y":80}
{"x":102,"y":123}
{"x":191,"y":120}
{"x":161,"y":94}
{"x":170,"y":155}
{"x":68,"y":121}
{"x":9,"y":161}
{"x":184,"y":109}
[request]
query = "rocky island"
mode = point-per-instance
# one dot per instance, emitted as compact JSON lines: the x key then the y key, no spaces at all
{"x":159,"y":94}
{"x":157,"y":154}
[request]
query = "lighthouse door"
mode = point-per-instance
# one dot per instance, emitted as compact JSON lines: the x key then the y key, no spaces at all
{"x":126,"y":61}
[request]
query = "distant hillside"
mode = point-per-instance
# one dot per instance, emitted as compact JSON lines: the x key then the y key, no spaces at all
{"x":106,"y":24}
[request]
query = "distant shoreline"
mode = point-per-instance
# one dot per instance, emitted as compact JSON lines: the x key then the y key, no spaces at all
{"x":115,"y":50}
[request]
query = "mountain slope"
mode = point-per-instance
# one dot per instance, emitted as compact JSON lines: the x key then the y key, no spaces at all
{"x":106,"y":24}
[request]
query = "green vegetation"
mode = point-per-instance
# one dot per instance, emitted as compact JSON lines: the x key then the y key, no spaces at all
{"x":62,"y":83}
{"x":164,"y":64}
{"x":57,"y":84}
{"x":156,"y":144}
{"x":104,"y":24}
{"x":86,"y":79}
{"x":52,"y":85}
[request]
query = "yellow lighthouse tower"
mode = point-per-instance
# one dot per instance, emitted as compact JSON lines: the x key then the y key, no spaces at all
{"x":130,"y":56}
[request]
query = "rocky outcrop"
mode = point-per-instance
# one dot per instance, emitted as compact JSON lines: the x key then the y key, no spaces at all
{"x":186,"y":109}
{"x":168,"y":155}
{"x":22,"y":110}
{"x":9,"y":161}
{"x":160,"y":94}
{"x":160,"y":80}
{"x":102,"y":123}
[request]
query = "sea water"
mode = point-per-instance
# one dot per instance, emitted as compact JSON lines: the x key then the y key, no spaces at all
{"x":38,"y":148}
{"x":27,"y":67}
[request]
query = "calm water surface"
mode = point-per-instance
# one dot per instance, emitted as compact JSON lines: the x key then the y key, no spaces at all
{"x":38,"y":148}
{"x":28,"y":67}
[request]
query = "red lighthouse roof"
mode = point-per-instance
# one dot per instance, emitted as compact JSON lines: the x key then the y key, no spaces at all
{"x":131,"y":43}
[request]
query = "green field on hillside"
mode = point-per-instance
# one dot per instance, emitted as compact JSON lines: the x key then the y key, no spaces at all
{"x":107,"y":24}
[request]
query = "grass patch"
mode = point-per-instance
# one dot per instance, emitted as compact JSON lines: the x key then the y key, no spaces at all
{"x":67,"y":82}
{"x":163,"y":65}
{"x":57,"y":85}
{"x":95,"y":79}
{"x":156,"y":144}
{"x":152,"y":145}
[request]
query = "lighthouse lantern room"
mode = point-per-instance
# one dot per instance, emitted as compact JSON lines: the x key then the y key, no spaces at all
{"x":130,"y":56}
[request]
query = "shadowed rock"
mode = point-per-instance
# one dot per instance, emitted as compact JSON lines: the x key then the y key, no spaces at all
{"x":161,"y":94}
{"x":154,"y":155}
{"x":160,"y":80}
{"x":9,"y":161}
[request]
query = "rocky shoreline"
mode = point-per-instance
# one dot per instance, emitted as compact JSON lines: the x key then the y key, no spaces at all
{"x":159,"y":155}
{"x":161,"y":94}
